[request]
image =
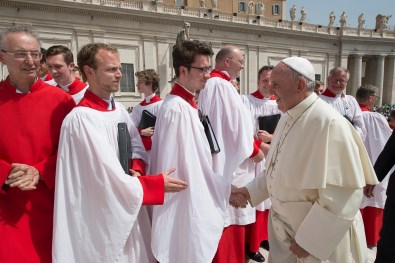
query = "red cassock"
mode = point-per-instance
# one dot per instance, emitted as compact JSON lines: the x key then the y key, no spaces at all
{"x":29,"y":134}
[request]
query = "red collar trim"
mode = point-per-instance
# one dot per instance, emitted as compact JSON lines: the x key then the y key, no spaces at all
{"x":48,"y":77}
{"x":219,"y":74}
{"x":10,"y":87}
{"x":154,"y":99}
{"x":258,"y":95}
{"x":364,"y":107}
{"x":76,"y":86}
{"x":329,"y":93}
{"x":92,"y":101}
{"x":178,"y":90}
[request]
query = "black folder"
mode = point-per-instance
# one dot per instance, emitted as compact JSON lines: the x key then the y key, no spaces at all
{"x":269,"y":123}
{"x":124,"y":146}
{"x":208,"y":130}
{"x":147,"y":120}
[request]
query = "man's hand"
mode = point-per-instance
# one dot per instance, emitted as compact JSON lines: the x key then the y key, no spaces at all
{"x":368,"y":190}
{"x":297,"y":250}
{"x":171,"y":184}
{"x":258,"y":157}
{"x":23,"y":176}
{"x":134,"y":173}
{"x":239,"y":197}
{"x":264,"y":136}
{"x":147,"y":131}
{"x":264,"y":148}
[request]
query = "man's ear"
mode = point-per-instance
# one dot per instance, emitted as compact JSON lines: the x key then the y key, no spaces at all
{"x":87,"y":70}
{"x":71,"y":65}
{"x":183,"y":71}
{"x":2,"y":58}
{"x":302,"y":84}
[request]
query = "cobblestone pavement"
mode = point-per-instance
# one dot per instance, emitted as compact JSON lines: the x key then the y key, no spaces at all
{"x":372,"y":256}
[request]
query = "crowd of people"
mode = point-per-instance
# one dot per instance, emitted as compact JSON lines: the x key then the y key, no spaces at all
{"x":288,"y":168}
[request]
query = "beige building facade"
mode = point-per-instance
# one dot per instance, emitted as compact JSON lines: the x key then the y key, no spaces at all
{"x":145,"y":31}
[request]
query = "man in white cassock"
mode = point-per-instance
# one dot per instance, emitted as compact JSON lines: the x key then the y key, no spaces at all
{"x":316,"y":171}
{"x":98,"y":215}
{"x":260,"y":103}
{"x":346,"y":105}
{"x":377,"y":134}
{"x":188,"y":226}
{"x":234,"y":129}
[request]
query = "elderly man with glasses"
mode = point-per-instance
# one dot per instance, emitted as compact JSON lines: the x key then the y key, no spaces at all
{"x":346,"y":105}
{"x":31,"y":114}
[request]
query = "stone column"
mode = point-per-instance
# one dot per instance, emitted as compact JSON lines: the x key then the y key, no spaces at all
{"x":251,"y":69}
{"x":379,"y":80}
{"x":388,"y":95}
{"x":355,"y":69}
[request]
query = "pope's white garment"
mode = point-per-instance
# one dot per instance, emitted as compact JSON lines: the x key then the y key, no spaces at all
{"x":346,"y":105}
{"x":378,"y":133}
{"x":96,"y":204}
{"x":233,"y":127}
{"x":260,"y":107}
{"x":188,"y":226}
{"x":316,"y":168}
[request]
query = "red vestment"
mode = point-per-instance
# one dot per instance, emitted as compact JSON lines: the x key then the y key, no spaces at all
{"x":29,"y":134}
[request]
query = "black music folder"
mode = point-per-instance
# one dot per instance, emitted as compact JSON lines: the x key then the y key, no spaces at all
{"x":124,"y":146}
{"x":208,"y":130}
{"x":269,"y":123}
{"x":147,"y":120}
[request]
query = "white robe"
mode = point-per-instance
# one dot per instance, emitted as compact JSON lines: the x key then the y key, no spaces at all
{"x":349,"y":107}
{"x":233,"y":127}
{"x":378,"y":133}
{"x":188,"y":226}
{"x":96,"y":204}
{"x":316,"y":169}
{"x":260,"y":107}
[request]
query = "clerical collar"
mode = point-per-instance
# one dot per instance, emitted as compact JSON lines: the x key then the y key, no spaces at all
{"x":150,"y":100}
{"x":220,"y":74}
{"x":258,"y":95}
{"x":185,"y":94}
{"x":92,"y":101}
{"x":363,"y":107}
{"x":330,"y":94}
{"x":296,"y":111}
{"x":37,"y":83}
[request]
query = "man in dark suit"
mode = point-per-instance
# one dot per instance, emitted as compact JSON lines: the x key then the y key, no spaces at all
{"x":384,"y":163}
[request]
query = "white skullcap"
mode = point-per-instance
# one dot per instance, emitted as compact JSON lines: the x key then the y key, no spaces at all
{"x":300,"y":65}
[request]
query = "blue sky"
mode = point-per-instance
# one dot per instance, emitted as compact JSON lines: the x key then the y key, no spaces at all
{"x":318,"y":11}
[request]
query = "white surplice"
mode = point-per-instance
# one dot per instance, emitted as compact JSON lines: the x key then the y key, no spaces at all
{"x":96,"y":204}
{"x":378,"y":133}
{"x":260,"y":107}
{"x":188,"y":226}
{"x":233,"y":127}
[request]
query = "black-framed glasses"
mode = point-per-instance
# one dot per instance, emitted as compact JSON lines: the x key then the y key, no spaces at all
{"x":341,"y":82}
{"x":377,"y":96}
{"x":203,"y":70}
{"x":22,"y":55}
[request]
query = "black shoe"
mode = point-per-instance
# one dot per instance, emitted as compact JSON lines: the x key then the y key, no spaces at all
{"x":265,"y":245}
{"x":256,"y":256}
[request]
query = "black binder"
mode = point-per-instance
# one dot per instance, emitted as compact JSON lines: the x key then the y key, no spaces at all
{"x":208,"y":130}
{"x":124,"y":146}
{"x":147,"y":120}
{"x":269,"y":123}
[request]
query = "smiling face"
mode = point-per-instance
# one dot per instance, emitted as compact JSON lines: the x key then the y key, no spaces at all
{"x":20,"y":70}
{"x":265,"y":83}
{"x":287,"y":90}
{"x":105,"y":79}
{"x":337,"y":82}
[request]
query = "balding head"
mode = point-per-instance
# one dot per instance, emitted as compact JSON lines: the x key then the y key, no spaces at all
{"x":231,"y":60}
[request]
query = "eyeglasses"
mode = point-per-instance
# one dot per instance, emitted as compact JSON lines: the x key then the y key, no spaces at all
{"x":341,"y":82}
{"x":22,"y":55}
{"x":240,"y":61}
{"x":378,"y":97}
{"x":203,"y":70}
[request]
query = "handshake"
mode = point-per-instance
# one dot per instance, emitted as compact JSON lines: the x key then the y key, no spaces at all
{"x":239,"y":197}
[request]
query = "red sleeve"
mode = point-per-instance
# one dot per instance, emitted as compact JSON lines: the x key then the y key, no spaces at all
{"x":47,"y":170}
{"x":147,"y":141}
{"x":153,"y":188}
{"x":139,"y":166}
{"x":255,"y":151}
{"x":257,"y":142}
{"x":5,"y":169}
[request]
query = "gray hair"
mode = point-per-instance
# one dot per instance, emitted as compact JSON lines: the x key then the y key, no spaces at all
{"x":339,"y":69}
{"x":296,"y":75}
{"x":365,"y":91}
{"x":18,"y":28}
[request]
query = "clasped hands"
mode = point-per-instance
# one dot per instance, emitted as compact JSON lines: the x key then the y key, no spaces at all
{"x":239,"y":197}
{"x":23,"y":176}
